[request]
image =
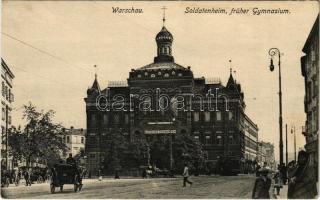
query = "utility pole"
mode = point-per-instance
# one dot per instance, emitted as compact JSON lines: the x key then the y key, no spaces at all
{"x":286,"y":145}
{"x":295,"y":146}
{"x":7,"y":137}
{"x":273,"y":52}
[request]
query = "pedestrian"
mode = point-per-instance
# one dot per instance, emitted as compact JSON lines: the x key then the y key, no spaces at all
{"x":262,"y":185}
{"x":302,"y":180}
{"x":99,"y":175}
{"x":27,"y":177}
{"x":258,"y":170}
{"x":186,"y":175}
{"x":283,"y":171}
{"x":278,"y":181}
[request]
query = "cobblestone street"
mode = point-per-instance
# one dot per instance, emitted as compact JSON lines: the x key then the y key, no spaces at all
{"x":204,"y":187}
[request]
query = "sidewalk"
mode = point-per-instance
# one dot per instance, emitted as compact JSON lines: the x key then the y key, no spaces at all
{"x":283,"y":192}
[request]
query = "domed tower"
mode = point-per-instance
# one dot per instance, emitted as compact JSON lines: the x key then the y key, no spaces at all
{"x":164,"y":41}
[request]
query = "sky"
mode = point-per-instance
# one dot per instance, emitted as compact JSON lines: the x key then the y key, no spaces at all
{"x":51,"y":47}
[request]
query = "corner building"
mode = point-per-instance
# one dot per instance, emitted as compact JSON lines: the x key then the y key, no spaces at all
{"x":218,"y":124}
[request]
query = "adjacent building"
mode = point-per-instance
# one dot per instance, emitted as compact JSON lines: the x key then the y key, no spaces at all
{"x":75,"y":141}
{"x":310,"y":72}
{"x":251,"y":139}
{"x":7,"y":99}
{"x":164,"y":98}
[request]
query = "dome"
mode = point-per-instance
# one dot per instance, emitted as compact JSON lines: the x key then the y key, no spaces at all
{"x":164,"y":36}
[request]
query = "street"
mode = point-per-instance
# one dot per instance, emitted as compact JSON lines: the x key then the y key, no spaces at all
{"x":204,"y":187}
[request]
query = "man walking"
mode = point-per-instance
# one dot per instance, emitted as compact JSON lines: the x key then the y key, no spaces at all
{"x":186,"y":175}
{"x":262,"y":185}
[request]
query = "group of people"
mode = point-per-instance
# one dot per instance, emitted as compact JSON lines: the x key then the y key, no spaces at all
{"x":301,"y":180}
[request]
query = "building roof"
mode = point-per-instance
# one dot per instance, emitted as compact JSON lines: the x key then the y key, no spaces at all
{"x":164,"y":35}
{"x":5,"y":66}
{"x":163,"y":65}
{"x":73,"y":131}
{"x":314,"y":31}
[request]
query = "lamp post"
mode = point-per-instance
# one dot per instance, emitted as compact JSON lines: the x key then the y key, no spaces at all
{"x":273,"y":52}
{"x":286,"y":145}
{"x":293,"y":131}
{"x":171,"y":157}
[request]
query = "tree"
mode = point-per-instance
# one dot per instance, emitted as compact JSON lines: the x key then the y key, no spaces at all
{"x":40,"y":139}
{"x":187,"y":150}
{"x":115,"y":153}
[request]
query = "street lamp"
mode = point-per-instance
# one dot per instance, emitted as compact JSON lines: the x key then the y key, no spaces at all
{"x":273,"y":52}
{"x":171,"y":157}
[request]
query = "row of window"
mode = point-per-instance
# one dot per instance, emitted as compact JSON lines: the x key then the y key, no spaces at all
{"x":164,"y":50}
{"x":67,"y":139}
{"x":218,"y":139}
{"x":312,"y":89}
{"x":6,"y":92}
{"x":166,"y":75}
{"x":106,"y":120}
{"x":3,"y":114}
{"x":207,"y":116}
{"x":196,"y":117}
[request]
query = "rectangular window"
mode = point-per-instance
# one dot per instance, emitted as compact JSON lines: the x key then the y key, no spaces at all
{"x":92,"y":155}
{"x":126,"y":118}
{"x":3,"y":113}
{"x":231,"y":141}
{"x":105,"y":119}
{"x":218,"y":116}
{"x":68,"y":139}
{"x":116,"y":119}
{"x":3,"y":89}
{"x":82,"y":140}
{"x":230,"y":115}
{"x":196,"y":116}
{"x":207,"y":141}
{"x":207,"y":116}
{"x":93,"y":120}
{"x":219,"y":140}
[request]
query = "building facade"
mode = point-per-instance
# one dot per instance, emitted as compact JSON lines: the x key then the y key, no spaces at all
{"x":75,"y":140}
{"x":7,"y":99}
{"x":251,"y":139}
{"x":164,"y":98}
{"x":310,"y":72}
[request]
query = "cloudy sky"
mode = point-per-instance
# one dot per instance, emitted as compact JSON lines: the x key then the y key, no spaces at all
{"x":51,"y":48}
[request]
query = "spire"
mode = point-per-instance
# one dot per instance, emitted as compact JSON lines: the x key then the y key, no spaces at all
{"x":231,"y":80}
{"x":164,"y":15}
{"x":95,"y":84}
{"x":164,"y":41}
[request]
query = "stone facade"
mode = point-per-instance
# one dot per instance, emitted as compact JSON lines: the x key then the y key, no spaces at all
{"x":165,"y":98}
{"x":7,"y":99}
{"x":310,"y":71}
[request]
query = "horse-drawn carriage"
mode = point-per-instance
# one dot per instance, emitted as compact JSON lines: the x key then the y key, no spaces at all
{"x":62,"y":174}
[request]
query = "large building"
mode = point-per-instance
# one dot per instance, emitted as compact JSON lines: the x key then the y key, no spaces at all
{"x":6,"y":107}
{"x":310,"y":71}
{"x":142,"y":109}
{"x":266,"y":154}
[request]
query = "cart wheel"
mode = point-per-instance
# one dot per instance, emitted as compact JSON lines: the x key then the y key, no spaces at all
{"x":52,"y":188}
{"x":61,"y":188}
{"x":75,"y":187}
